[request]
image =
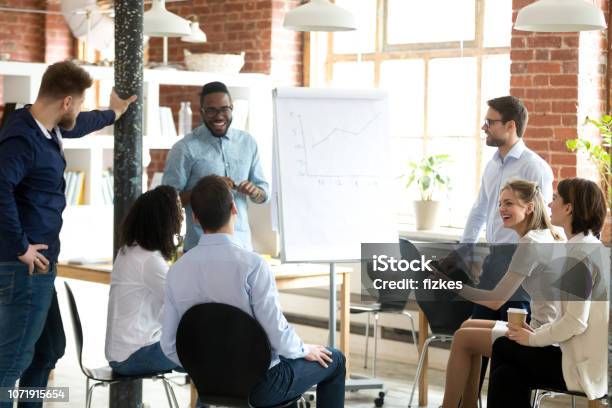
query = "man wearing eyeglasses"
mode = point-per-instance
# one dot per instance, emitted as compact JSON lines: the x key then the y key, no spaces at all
{"x":215,"y":148}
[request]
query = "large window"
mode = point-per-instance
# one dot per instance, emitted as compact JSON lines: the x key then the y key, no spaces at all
{"x":440,"y":61}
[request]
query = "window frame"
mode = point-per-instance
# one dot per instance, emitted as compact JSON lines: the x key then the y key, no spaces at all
{"x":424,"y":51}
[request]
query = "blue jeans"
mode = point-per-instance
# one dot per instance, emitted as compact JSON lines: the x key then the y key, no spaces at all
{"x":146,"y":360}
{"x":31,"y":332}
{"x":291,"y":378}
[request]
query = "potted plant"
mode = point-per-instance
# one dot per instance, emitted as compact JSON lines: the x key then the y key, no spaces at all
{"x":599,"y":155}
{"x":429,"y":178}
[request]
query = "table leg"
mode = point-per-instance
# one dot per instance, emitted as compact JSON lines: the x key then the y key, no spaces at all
{"x":345,"y":323}
{"x":193,"y":395}
{"x":423,"y":333}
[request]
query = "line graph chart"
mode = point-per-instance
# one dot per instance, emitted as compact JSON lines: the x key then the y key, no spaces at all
{"x":339,"y":145}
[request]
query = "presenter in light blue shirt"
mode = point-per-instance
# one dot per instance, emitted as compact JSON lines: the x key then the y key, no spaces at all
{"x":218,"y":270}
{"x":504,"y":125}
{"x":215,"y":148}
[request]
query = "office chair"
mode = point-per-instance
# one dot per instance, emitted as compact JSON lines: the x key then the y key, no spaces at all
{"x":445,"y":312}
{"x":388,"y":301}
{"x":104,"y":376}
{"x":542,"y":393}
{"x":226,"y":352}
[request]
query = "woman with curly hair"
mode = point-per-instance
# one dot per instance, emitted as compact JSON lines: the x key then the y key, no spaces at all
{"x":149,"y":238}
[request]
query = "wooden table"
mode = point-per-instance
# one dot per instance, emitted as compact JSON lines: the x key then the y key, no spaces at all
{"x":288,"y":276}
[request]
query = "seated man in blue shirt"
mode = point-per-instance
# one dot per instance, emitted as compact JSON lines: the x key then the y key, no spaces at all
{"x":219,"y":270}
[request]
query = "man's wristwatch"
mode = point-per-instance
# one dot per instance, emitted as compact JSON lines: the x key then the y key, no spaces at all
{"x":257,"y":195}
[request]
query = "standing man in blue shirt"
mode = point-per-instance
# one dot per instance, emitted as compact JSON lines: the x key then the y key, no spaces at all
{"x":214,"y":148}
{"x":218,"y":270}
{"x":504,"y":125}
{"x":31,"y":203}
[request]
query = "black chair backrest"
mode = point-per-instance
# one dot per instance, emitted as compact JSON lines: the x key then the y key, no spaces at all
{"x":389,"y":299}
{"x":445,"y":310}
{"x":224,"y":350}
{"x":76,"y":326}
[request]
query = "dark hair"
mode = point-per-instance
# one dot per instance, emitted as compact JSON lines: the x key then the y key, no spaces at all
{"x":511,"y":108}
{"x":211,"y":202}
{"x":64,"y":79}
{"x":588,"y":204}
{"x":213,"y":87}
{"x":153,"y":221}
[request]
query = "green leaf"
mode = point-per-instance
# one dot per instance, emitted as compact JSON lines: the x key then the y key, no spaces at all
{"x":571,"y":144}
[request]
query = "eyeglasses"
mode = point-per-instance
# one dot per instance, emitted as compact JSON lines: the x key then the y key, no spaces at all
{"x":212,"y":112}
{"x":488,"y":122}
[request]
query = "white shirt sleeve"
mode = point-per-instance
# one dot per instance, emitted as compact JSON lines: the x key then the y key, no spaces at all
{"x":572,"y":323}
{"x":477,"y":218}
{"x":543,"y":175}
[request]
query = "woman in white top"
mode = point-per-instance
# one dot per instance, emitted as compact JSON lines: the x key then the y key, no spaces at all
{"x":522,"y":209}
{"x":570,"y":353}
{"x":135,"y":306}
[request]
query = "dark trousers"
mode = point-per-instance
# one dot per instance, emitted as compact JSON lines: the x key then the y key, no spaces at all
{"x":516,"y":370}
{"x":494,"y":268}
{"x":291,"y":378}
{"x":31,"y":332}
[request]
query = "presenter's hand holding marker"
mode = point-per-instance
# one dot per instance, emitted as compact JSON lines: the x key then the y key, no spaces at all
{"x":249,"y":189}
{"x":118,"y":105}
{"x":35,"y":259}
{"x":319,"y":354}
{"x":519,"y":334}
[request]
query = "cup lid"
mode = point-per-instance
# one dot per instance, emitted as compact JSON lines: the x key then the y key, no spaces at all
{"x":516,"y":310}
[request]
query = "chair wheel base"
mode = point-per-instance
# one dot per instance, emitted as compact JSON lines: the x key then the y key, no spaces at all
{"x":380,"y":401}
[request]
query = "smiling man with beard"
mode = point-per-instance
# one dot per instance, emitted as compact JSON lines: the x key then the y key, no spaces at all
{"x":32,"y":200}
{"x":215,"y":148}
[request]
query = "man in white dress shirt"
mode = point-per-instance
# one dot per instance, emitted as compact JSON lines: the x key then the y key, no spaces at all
{"x":219,"y":270}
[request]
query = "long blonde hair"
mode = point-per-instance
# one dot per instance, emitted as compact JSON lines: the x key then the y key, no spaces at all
{"x":529,"y":192}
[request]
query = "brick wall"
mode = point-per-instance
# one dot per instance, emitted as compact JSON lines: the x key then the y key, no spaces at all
{"x":22,"y":35}
{"x":287,"y":47}
{"x":59,"y":42}
{"x":562,"y":78}
{"x":32,"y":37}
{"x":560,"y":83}
{"x":232,"y":26}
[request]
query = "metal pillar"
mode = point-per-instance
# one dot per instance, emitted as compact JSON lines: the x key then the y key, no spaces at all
{"x":127,"y":164}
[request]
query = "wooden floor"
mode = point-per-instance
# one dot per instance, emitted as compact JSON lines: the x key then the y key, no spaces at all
{"x":398,"y":377}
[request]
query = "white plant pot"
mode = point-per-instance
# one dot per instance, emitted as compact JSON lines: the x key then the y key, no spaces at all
{"x":426,"y":214}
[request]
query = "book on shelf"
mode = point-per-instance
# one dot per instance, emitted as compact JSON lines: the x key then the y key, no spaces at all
{"x":166,"y":123}
{"x":75,"y":187}
{"x":107,"y":187}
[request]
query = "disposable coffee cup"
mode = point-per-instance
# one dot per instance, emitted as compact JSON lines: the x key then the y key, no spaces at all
{"x":517,"y":316}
